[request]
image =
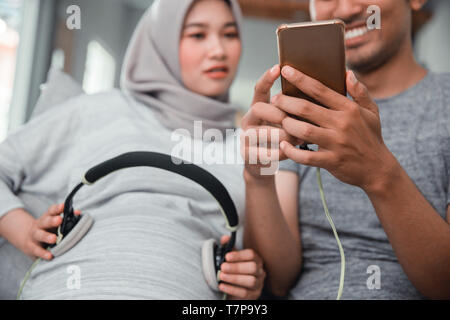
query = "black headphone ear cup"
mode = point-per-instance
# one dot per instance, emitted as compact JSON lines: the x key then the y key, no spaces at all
{"x":208,"y":264}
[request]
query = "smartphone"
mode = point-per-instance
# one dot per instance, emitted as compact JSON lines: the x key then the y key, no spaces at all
{"x":318,"y":50}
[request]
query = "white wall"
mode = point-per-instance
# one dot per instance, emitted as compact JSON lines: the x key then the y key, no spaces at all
{"x":259,"y":54}
{"x":432,"y":45}
{"x":112,"y":22}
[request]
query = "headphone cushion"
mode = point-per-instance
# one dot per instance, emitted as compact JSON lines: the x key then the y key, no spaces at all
{"x":75,"y":235}
{"x":209,"y":269}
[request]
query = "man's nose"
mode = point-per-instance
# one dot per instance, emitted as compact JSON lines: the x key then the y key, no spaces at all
{"x":348,"y":10}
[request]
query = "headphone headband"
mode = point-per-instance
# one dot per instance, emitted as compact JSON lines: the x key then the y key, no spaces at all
{"x":161,"y":161}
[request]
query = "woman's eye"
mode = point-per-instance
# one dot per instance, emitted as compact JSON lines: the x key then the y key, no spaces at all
{"x":197,"y":36}
{"x":232,"y":35}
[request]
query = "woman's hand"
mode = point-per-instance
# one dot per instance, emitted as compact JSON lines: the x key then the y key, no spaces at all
{"x":262,"y":131}
{"x":242,"y":274}
{"x":41,"y":232}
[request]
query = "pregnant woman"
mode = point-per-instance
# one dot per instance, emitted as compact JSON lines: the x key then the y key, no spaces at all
{"x":149,"y":224}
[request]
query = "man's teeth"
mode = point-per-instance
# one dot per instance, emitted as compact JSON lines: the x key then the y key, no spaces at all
{"x":356,"y":33}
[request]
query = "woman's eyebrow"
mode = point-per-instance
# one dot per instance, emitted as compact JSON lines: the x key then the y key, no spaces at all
{"x":196,"y":24}
{"x":205,"y":25}
{"x":230,"y":24}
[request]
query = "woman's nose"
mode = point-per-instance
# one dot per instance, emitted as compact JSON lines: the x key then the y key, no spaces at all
{"x":217,"y":49}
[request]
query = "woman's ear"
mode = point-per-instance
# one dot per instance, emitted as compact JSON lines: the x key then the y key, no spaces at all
{"x":416,"y":5}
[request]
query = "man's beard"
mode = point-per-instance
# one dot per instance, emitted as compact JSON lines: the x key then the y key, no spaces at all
{"x":373,"y":61}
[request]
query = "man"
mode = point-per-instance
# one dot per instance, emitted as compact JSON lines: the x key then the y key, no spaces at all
{"x":385,"y":159}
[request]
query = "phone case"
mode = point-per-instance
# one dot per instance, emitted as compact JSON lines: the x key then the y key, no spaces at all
{"x":318,"y":50}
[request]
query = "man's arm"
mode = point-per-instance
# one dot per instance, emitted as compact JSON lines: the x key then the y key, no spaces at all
{"x":352,"y":149}
{"x":418,"y":234}
{"x":271,"y":227}
{"x":448,"y":213}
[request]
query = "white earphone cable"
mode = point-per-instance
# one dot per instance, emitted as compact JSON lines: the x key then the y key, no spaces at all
{"x":341,"y":250}
{"x":25,"y":279}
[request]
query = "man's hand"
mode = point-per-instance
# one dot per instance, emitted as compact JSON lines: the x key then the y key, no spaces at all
{"x":348,"y":134}
{"x":41,"y":232}
{"x":242,"y":274}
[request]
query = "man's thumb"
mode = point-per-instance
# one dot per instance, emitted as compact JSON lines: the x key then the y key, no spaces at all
{"x":359,"y":92}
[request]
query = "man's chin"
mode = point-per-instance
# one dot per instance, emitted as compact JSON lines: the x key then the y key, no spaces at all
{"x":364,"y":63}
{"x":369,"y":57}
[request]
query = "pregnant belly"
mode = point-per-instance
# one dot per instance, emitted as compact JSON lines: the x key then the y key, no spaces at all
{"x":129,"y":256}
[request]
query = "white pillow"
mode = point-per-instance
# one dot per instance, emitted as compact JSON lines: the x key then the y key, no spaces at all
{"x":59,"y":87}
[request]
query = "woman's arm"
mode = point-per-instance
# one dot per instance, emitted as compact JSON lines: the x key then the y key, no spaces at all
{"x":271,"y":227}
{"x":27,"y":154}
{"x":13,"y":225}
{"x":28,"y":234}
{"x":12,"y":174}
{"x":242,"y":274}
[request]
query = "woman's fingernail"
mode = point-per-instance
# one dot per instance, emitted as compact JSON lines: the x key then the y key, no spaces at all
{"x":274,"y":69}
{"x":274,"y":99}
{"x":288,"y":71}
{"x":282,"y":144}
{"x":352,"y":78}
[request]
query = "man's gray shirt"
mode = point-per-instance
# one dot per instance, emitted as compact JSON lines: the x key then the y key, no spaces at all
{"x":416,"y":129}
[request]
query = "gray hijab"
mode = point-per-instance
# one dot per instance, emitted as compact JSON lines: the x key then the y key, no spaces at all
{"x":151,"y":71}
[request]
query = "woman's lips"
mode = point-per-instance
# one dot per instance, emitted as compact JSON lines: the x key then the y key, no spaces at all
{"x":217,"y":73}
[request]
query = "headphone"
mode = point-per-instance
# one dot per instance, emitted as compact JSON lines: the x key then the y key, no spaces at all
{"x":73,"y":227}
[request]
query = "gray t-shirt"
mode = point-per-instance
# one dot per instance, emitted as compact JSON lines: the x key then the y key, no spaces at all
{"x":149,"y":225}
{"x":416,"y":129}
